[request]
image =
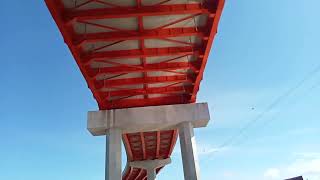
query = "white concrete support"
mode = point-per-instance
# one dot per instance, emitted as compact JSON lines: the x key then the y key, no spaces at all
{"x":144,"y":119}
{"x":114,"y":122}
{"x":190,"y":162}
{"x":113,"y":154}
{"x":151,"y":166}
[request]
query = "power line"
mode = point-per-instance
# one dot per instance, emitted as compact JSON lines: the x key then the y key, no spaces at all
{"x":317,"y":84}
{"x":277,"y":101}
{"x":274,"y":117}
{"x":265,"y":123}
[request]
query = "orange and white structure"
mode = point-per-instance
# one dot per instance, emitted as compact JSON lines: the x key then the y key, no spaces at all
{"x":143,"y":60}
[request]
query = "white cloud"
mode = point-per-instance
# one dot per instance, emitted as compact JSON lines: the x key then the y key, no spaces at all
{"x":305,"y":167}
{"x":272,"y":173}
{"x":305,"y":164}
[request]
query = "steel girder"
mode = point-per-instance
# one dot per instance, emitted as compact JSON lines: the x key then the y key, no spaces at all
{"x":115,"y":83}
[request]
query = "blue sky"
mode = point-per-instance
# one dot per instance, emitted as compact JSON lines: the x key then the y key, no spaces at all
{"x":262,"y":50}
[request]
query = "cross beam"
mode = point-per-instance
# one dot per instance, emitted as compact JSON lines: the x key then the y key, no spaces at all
{"x":137,"y":53}
{"x":127,"y":103}
{"x":147,"y":68}
{"x":99,"y":84}
{"x":127,"y":12}
{"x":157,"y":90}
{"x":135,"y":35}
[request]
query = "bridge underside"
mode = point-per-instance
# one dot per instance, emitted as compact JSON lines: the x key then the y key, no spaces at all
{"x":136,"y":53}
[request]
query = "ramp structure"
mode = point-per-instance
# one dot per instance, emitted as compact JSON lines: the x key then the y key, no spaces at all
{"x":137,"y":54}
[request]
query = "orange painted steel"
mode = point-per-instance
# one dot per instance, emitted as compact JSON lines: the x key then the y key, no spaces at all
{"x":130,"y":58}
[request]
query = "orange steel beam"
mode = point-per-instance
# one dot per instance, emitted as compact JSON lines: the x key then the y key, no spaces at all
{"x":97,"y":1}
{"x":99,"y":84}
{"x":142,"y":45}
{"x":173,"y":140}
{"x":219,"y":4}
{"x":128,"y":150}
{"x":147,"y":68}
{"x":171,"y":92}
{"x":134,"y":35}
{"x":127,"y":103}
{"x":177,"y":21}
{"x":214,"y":6}
{"x":158,"y":144}
{"x":137,"y":53}
{"x":143,"y":145}
{"x":56,"y":9}
{"x":99,"y":26}
{"x":127,"y":12}
{"x":105,"y":46}
{"x":141,"y":174}
{"x":158,"y":90}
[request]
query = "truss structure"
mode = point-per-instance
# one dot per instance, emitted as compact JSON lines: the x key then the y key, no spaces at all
{"x":136,"y":53}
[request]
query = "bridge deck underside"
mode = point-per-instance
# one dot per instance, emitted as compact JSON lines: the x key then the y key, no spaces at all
{"x":140,"y":53}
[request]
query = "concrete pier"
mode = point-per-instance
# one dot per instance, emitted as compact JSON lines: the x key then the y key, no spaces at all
{"x":114,"y":123}
{"x":189,"y":152}
{"x":151,"y":118}
{"x":113,"y":154}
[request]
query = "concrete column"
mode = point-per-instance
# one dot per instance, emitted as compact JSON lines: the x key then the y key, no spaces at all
{"x":191,"y":168}
{"x":185,"y":117}
{"x":113,"y":154}
{"x":150,"y":166}
{"x":151,"y":174}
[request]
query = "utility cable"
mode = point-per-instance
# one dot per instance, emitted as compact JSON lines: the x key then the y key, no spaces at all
{"x":277,"y":101}
{"x":265,"y":123}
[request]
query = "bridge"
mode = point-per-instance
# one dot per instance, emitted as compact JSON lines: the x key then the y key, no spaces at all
{"x":144,"y":61}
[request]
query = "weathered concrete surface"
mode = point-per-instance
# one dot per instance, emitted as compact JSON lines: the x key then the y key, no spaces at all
{"x":152,"y":118}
